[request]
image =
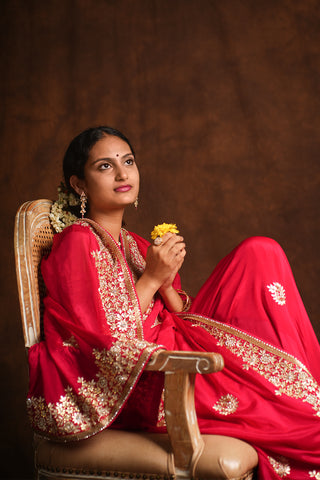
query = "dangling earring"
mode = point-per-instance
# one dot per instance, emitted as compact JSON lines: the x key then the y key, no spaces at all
{"x":136,"y":203}
{"x":83,"y":200}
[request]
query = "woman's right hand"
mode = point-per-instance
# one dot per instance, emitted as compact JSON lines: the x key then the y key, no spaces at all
{"x":164,"y":261}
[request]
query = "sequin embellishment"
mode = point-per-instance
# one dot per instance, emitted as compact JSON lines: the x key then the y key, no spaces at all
{"x":97,"y":399}
{"x":277,"y":292}
{"x":226,"y":405}
{"x":71,"y":342}
{"x":280,"y":466}
{"x":315,"y":475}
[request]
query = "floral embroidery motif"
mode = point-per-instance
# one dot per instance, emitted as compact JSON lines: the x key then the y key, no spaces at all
{"x":72,"y":342}
{"x":121,"y":314}
{"x":315,"y":475}
{"x":118,"y":305}
{"x":280,"y":466}
{"x":137,"y":264}
{"x":288,"y":375}
{"x":277,"y":292}
{"x":96,"y":400}
{"x":226,"y":405}
{"x":135,"y":259}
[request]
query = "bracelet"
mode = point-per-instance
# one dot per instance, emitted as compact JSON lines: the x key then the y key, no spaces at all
{"x":186,"y":300}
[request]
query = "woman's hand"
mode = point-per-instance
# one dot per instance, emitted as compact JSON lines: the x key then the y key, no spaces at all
{"x":162,"y":264}
{"x":165,"y":260}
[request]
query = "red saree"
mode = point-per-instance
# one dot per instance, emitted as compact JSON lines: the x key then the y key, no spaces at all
{"x":88,"y":373}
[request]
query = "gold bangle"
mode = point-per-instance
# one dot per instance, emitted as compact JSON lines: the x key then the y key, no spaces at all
{"x":186,"y":301}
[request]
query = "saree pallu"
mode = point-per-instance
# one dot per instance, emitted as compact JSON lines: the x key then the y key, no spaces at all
{"x":249,"y":310}
{"x":93,"y":351}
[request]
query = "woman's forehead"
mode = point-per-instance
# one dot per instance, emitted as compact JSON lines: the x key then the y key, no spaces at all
{"x":109,"y":146}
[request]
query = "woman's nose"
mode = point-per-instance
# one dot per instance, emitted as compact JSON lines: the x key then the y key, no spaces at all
{"x":121,"y":173}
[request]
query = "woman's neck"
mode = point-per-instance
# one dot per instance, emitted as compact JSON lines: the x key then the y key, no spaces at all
{"x":111,"y":222}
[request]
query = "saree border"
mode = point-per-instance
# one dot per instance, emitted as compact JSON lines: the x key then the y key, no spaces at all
{"x":71,"y":403}
{"x":111,"y":245}
{"x":286,"y":373}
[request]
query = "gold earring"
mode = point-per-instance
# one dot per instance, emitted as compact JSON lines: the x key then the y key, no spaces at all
{"x":83,"y":204}
{"x":136,"y":203}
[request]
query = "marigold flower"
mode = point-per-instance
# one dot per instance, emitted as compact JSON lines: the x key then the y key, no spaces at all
{"x":160,"y":230}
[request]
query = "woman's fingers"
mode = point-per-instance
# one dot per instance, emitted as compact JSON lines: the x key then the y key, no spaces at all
{"x":163,"y":261}
{"x":171,"y":241}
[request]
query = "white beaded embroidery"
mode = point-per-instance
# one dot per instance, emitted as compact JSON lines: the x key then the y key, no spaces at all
{"x":277,"y":292}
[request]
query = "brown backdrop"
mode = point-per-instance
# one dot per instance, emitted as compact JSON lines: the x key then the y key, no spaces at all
{"x":220,"y":99}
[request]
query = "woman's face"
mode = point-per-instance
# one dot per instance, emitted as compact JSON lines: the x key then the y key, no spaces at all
{"x":111,"y":176}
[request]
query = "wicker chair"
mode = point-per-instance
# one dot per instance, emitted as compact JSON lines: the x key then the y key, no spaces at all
{"x":112,"y":454}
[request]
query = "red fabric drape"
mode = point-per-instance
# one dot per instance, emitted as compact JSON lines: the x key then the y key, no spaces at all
{"x":249,"y":310}
{"x":268,"y":393}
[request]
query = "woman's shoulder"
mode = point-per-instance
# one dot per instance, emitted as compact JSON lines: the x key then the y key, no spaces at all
{"x":75,"y":235}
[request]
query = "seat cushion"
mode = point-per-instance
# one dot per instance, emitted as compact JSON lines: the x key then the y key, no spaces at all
{"x":225,"y":457}
{"x":117,"y":453}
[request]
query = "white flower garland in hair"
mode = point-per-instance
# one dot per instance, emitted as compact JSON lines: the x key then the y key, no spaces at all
{"x":60,"y":217}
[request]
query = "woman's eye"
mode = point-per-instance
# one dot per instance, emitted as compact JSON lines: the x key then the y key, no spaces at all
{"x":130,"y":161}
{"x":104,"y":166}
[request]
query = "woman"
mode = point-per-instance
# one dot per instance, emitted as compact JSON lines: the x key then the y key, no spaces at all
{"x":113,"y":299}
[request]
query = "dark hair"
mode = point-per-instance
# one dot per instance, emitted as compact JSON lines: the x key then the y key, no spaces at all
{"x":79,"y":149}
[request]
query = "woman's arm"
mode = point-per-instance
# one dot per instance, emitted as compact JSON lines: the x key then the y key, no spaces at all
{"x":162,"y":264}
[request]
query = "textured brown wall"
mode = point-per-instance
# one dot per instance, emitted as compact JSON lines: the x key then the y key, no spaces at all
{"x":220,"y":99}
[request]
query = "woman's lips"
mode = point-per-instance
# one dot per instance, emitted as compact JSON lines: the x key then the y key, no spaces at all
{"x":123,"y":188}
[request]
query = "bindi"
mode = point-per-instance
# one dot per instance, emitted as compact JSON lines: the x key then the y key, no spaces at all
{"x":117,"y":154}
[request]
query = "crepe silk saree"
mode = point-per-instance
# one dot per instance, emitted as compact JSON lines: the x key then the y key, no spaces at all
{"x":88,"y":372}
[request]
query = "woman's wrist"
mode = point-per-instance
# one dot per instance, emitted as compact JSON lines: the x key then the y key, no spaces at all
{"x":186,"y":300}
{"x":176,"y":300}
{"x":146,"y":288}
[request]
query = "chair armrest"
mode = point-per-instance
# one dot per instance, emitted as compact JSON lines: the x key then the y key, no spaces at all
{"x":180,"y":372}
{"x":192,"y":362}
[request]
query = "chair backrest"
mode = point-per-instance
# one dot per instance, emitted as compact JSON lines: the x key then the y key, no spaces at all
{"x":33,"y":236}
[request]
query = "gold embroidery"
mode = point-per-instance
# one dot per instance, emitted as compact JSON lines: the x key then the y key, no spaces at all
{"x":288,"y":375}
{"x":115,"y":265}
{"x":315,"y":475}
{"x":226,"y":404}
{"x":277,"y":292}
{"x":134,"y":258}
{"x":72,"y":342}
{"x":117,"y":276}
{"x":136,"y":263}
{"x":94,"y":403}
{"x":161,"y":413}
{"x":121,"y":314}
{"x":280,"y":466}
{"x":156,"y":322}
{"x":97,"y":401}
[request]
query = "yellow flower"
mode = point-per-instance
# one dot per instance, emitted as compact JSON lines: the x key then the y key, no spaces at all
{"x":160,"y":230}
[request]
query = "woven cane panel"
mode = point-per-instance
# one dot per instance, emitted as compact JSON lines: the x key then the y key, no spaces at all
{"x":41,"y":245}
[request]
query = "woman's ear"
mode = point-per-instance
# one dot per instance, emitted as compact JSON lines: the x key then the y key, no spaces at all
{"x":77,"y":184}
